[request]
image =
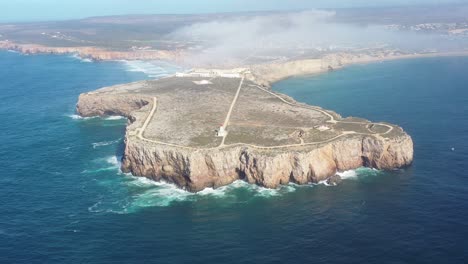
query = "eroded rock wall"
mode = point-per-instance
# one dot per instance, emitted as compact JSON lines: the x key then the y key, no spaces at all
{"x":195,"y":170}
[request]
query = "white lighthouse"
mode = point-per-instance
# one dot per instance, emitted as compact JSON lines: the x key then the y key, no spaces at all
{"x":221,"y":132}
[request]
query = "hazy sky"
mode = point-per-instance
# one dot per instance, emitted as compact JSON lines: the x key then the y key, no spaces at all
{"x":27,"y":10}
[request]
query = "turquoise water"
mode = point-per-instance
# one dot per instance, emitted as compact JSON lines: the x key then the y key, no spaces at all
{"x":64,"y":199}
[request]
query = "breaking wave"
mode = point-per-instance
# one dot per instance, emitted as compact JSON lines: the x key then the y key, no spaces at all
{"x":137,"y":193}
{"x":126,"y":194}
{"x":149,"y":193}
{"x":105,"y":143}
{"x":108,"y":118}
{"x":113,"y":160}
{"x":115,"y":118}
{"x":112,"y":163}
{"x":152,"y":69}
{"x":81,"y":59}
{"x":353,"y":175}
{"x":77,"y":117}
{"x":350,"y":174}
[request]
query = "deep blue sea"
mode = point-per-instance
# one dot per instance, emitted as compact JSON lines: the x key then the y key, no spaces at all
{"x":64,"y":200}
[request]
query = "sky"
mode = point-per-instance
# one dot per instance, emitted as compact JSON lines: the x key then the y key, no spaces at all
{"x":36,"y":10}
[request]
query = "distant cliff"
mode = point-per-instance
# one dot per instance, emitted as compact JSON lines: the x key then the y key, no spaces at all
{"x":94,"y":53}
{"x":270,"y":72}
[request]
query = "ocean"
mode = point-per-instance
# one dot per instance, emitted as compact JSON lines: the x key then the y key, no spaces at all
{"x":64,"y":199}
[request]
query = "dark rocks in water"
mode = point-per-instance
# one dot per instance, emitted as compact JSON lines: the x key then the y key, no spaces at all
{"x":334,"y":180}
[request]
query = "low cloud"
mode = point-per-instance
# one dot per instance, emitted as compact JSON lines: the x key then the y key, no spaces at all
{"x":311,"y":33}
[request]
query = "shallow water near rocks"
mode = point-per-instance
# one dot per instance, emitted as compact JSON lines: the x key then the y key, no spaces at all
{"x":64,"y":199}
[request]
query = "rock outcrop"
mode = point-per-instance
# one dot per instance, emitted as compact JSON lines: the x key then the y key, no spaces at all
{"x":334,"y":180}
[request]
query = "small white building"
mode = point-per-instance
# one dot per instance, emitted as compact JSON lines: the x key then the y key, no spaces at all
{"x":202,"y":82}
{"x":180,"y":74}
{"x":221,"y":132}
{"x":212,"y":73}
{"x":229,"y":75}
{"x":322,"y":128}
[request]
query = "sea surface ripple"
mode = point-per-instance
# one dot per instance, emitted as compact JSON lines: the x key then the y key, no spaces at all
{"x":65,"y":200}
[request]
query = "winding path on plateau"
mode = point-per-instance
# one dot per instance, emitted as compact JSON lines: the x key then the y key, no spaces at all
{"x":140,"y":131}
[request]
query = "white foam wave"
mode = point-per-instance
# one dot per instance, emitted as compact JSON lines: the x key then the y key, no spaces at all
{"x":220,"y":192}
{"x":77,"y":57}
{"x":349,"y":174}
{"x":165,"y":193}
{"x":324,"y":182}
{"x":76,"y":117}
{"x":368,"y":172}
{"x":113,"y":160}
{"x":100,"y":170}
{"x":114,"y":118}
{"x":162,"y":196}
{"x":108,"y":118}
{"x":105,"y":143}
{"x":141,"y":182}
{"x":152,"y":69}
{"x":353,"y":175}
{"x":101,"y":207}
{"x":149,"y":193}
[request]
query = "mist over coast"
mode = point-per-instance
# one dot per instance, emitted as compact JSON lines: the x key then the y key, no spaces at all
{"x":295,"y":34}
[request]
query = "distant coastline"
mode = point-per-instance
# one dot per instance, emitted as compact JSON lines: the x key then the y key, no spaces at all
{"x":265,"y":73}
{"x":93,"y":53}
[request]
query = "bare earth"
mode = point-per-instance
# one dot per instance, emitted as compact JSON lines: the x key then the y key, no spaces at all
{"x":188,"y":115}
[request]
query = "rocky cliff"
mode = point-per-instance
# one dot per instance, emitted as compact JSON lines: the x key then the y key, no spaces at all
{"x":93,"y":53}
{"x":196,"y":170}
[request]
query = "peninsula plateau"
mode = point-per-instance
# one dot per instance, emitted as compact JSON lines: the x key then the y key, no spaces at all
{"x":209,"y":128}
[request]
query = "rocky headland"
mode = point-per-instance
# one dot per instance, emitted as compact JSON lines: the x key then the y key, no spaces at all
{"x":177,"y":133}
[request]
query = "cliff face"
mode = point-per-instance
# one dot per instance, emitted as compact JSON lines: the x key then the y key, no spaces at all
{"x":268,"y":73}
{"x":94,"y":53}
{"x":196,"y":170}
